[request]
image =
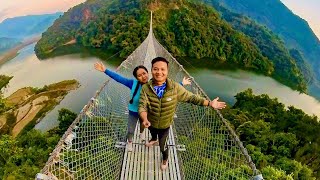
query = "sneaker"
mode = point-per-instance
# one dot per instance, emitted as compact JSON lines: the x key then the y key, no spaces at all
{"x":142,"y":137}
{"x":164,"y":165}
{"x":129,"y":147}
{"x":151,"y":143}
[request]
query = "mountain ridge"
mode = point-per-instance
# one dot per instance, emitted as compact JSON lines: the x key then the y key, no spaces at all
{"x":122,"y":27}
{"x":22,"y":27}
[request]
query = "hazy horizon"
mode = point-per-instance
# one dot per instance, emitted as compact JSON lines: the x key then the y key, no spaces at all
{"x":14,"y":8}
{"x":307,"y":10}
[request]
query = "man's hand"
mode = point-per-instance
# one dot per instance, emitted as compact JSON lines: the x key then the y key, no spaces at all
{"x":99,"y":66}
{"x":186,"y":81}
{"x":146,"y":123}
{"x":216,"y":104}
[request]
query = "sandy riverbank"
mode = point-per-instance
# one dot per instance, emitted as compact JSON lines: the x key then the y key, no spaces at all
{"x":29,"y":105}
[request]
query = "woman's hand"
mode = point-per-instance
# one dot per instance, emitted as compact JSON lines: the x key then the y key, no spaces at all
{"x":99,"y":66}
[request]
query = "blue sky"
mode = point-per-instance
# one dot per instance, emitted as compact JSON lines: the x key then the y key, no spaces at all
{"x":306,"y":9}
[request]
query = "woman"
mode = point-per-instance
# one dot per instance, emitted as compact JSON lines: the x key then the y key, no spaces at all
{"x":142,"y":77}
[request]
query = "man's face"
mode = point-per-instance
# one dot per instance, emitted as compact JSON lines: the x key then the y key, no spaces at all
{"x":159,"y":71}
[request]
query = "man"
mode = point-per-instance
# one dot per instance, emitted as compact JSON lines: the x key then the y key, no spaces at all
{"x":158,"y":100}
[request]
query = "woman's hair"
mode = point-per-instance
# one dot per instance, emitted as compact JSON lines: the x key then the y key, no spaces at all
{"x":137,"y":68}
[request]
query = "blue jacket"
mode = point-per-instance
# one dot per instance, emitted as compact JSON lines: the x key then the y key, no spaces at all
{"x":131,"y":84}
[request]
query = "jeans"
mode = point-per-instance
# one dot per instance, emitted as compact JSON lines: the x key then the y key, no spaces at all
{"x":132,"y":122}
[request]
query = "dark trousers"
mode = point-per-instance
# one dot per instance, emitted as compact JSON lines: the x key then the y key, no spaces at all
{"x":162,"y":134}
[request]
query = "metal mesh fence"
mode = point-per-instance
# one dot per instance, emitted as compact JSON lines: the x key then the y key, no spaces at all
{"x":88,"y":148}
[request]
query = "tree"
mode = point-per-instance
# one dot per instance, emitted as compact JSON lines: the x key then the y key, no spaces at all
{"x":295,"y":168}
{"x":255,"y":133}
{"x":287,"y":135}
{"x":65,"y":118}
{"x":283,"y":145}
{"x":270,"y":172}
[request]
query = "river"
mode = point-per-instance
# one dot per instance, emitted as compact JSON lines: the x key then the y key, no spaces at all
{"x":28,"y":70}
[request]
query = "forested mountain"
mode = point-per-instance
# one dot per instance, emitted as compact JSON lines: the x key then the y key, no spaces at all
{"x":292,"y":29}
{"x":185,"y":28}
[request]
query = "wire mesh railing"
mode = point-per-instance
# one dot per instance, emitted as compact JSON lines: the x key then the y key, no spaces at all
{"x":88,"y":149}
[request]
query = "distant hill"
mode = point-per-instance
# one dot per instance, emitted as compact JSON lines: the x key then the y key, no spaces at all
{"x":269,"y":43}
{"x":294,"y":30}
{"x":7,"y":43}
{"x":26,"y":26}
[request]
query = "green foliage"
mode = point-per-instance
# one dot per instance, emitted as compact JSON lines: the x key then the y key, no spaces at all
{"x":26,"y":155}
{"x":287,"y":70}
{"x":65,"y":118}
{"x":303,"y":65}
{"x":11,"y":121}
{"x":23,"y":157}
{"x":4,"y":81}
{"x":286,"y":66}
{"x":62,"y":31}
{"x":296,"y":169}
{"x":114,"y":25}
{"x":55,"y":86}
{"x":40,"y":90}
{"x":260,"y":159}
{"x":184,"y":28}
{"x":255,"y":133}
{"x":294,"y":30}
{"x":208,"y":149}
{"x":270,"y":172}
{"x":283,"y":145}
{"x":196,"y":30}
{"x":277,"y":137}
{"x":2,"y":105}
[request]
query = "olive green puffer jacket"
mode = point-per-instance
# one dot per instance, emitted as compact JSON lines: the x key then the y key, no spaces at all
{"x":161,"y":111}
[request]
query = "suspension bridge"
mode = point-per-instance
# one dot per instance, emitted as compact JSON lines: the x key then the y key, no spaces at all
{"x":202,"y":145}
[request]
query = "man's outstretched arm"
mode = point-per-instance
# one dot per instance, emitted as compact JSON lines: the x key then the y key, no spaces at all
{"x":187,"y":96}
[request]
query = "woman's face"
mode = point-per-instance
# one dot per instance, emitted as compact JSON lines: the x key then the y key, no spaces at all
{"x":142,"y":76}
